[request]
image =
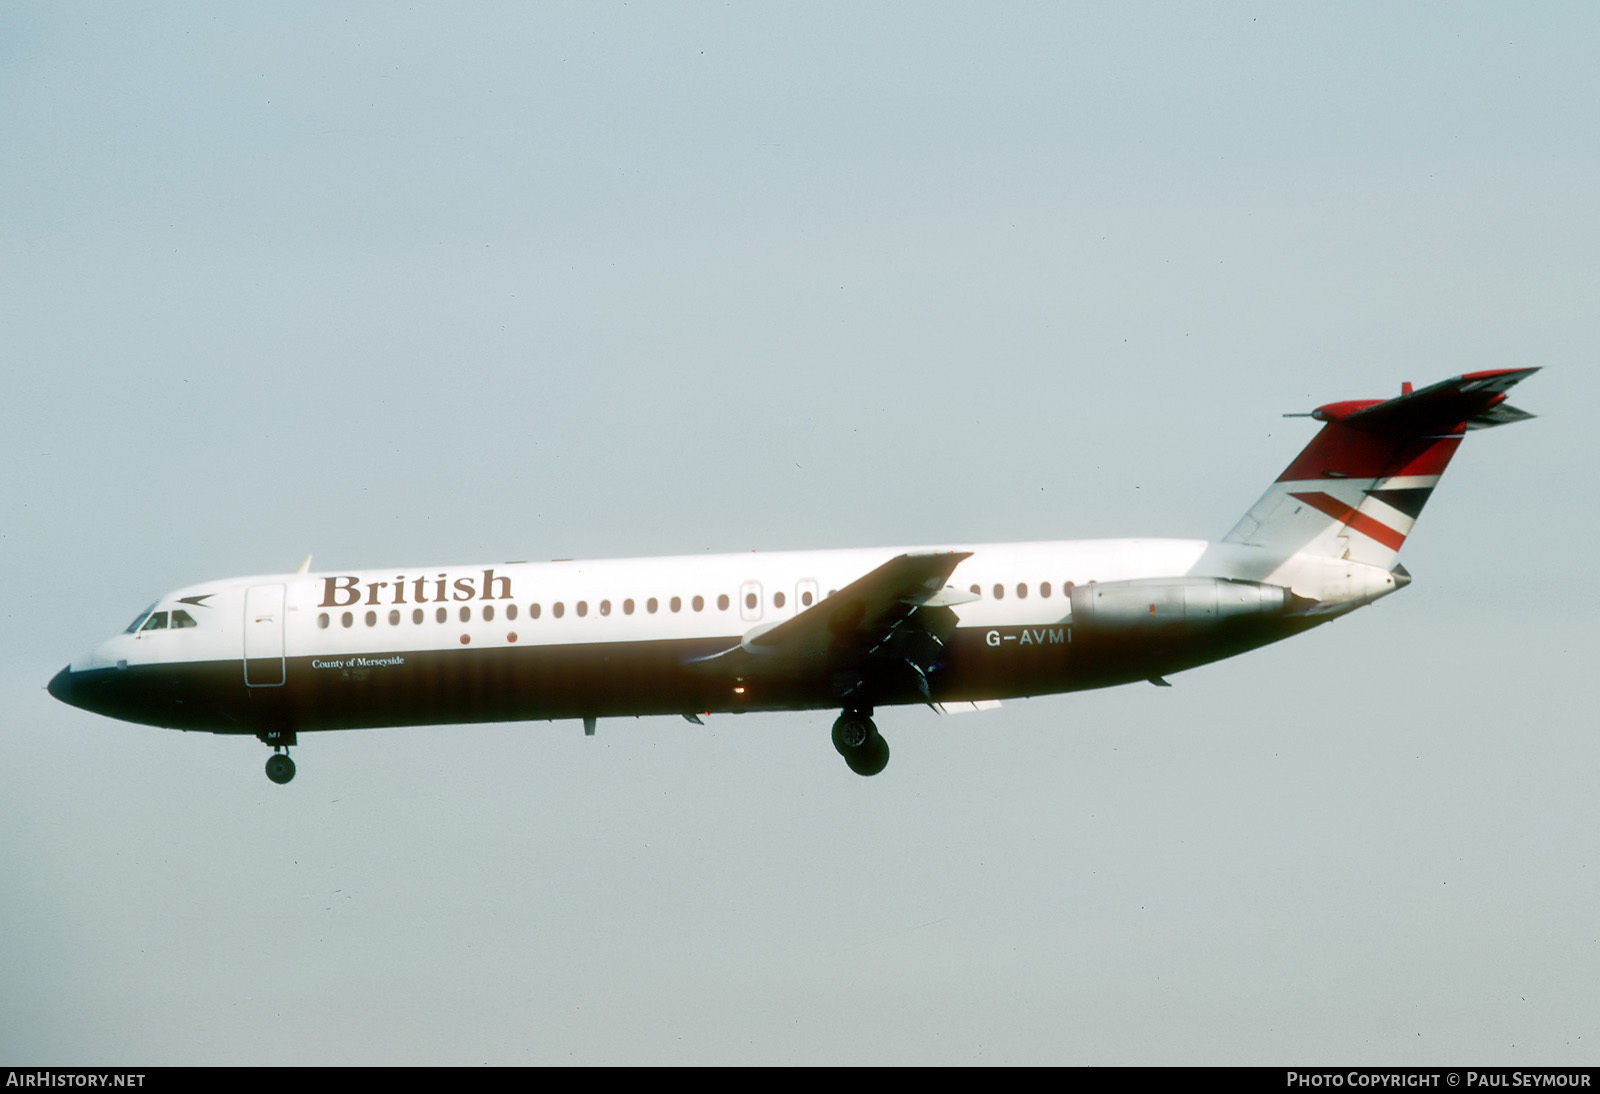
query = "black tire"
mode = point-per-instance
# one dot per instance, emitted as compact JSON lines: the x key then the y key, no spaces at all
{"x":857,"y":739}
{"x":853,"y":733}
{"x":870,"y":760}
{"x":280,"y":769}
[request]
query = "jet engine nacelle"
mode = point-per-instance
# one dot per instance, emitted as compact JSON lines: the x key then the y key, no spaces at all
{"x":1175,"y":606}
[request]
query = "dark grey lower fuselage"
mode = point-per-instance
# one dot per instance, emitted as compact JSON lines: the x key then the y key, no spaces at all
{"x":621,"y":679}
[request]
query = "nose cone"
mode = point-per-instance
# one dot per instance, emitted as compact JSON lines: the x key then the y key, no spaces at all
{"x":60,"y":686}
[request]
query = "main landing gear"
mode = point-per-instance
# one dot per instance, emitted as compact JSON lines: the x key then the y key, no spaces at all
{"x":857,"y":739}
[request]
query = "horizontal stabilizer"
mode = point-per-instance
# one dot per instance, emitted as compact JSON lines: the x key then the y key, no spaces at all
{"x":1475,"y":400}
{"x":1501,"y":414}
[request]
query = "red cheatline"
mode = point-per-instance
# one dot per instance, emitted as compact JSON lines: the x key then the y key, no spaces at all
{"x":1367,"y":526}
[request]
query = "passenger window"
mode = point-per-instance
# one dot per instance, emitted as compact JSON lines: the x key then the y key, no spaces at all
{"x":416,"y":615}
{"x":488,"y":613}
{"x":777,"y":600}
{"x":346,"y":619}
{"x":322,"y":621}
{"x":394,"y":618}
{"x":1044,"y":589}
{"x":805,"y":598}
{"x":605,"y":607}
{"x":583,"y":608}
{"x":977,"y":591}
{"x":750,"y":601}
{"x":699,"y":602}
{"x":650,"y":605}
{"x":372,"y":619}
{"x":1022,"y":591}
{"x":441,"y":615}
{"x":722,"y":602}
{"x":999,"y":592}
{"x":558,"y":609}
{"x":466,"y":615}
{"x":627,"y":607}
{"x":675,"y":604}
{"x":533,"y":611}
{"x":511,"y":611}
{"x":156,"y":622}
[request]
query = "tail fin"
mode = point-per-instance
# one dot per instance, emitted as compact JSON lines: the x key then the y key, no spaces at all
{"x":1360,"y":484}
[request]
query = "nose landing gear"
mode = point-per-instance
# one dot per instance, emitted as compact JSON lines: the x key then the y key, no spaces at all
{"x":280,"y":768}
{"x":857,"y":739}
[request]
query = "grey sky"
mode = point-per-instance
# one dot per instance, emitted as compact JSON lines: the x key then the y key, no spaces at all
{"x":456,"y":285}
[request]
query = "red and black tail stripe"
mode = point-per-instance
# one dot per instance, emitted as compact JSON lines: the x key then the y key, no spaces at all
{"x":1354,"y":519}
{"x":1408,"y":500}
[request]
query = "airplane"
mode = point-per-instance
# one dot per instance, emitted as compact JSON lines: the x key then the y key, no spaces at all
{"x":954,"y":627}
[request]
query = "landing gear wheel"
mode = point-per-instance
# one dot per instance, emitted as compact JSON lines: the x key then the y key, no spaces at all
{"x":856,"y":738}
{"x":280,"y":769}
{"x":852,"y":732}
{"x":871,"y":759}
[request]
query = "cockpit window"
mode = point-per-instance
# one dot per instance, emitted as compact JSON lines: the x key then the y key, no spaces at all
{"x":156,"y":622}
{"x":181,"y":618}
{"x":138,"y":620}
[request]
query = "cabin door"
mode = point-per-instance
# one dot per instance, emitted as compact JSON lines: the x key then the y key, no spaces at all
{"x":263,"y":636}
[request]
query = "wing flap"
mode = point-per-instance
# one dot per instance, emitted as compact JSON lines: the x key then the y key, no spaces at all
{"x":966,"y":708}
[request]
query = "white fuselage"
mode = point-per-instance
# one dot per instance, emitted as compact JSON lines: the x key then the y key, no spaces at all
{"x":602,"y":637}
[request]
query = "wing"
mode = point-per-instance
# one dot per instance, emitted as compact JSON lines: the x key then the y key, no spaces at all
{"x":880,"y":634}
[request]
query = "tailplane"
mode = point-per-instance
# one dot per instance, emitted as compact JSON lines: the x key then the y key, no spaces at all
{"x":1359,"y":486}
